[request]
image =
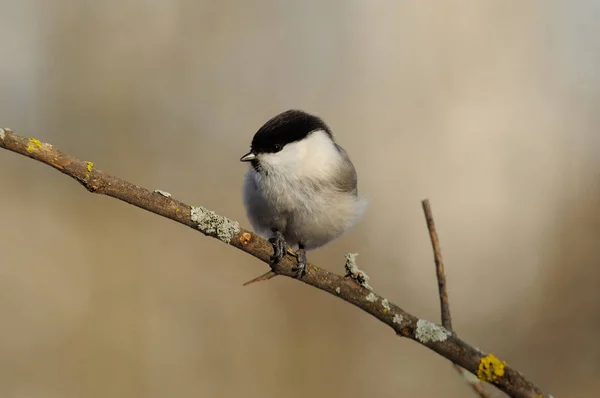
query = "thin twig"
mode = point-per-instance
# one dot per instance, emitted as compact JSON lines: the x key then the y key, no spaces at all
{"x":439,"y":265}
{"x":264,"y":277}
{"x":475,"y":384}
{"x":434,"y":337}
{"x":269,"y":274}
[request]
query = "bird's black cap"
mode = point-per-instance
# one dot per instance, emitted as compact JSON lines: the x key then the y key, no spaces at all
{"x":289,"y":126}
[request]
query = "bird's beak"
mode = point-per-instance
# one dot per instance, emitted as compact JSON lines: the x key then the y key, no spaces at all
{"x":248,"y":157}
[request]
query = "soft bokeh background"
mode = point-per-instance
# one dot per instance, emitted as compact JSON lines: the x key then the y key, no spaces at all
{"x":489,"y":108}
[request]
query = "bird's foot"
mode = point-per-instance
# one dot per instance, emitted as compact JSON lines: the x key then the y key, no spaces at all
{"x":301,"y":265}
{"x":279,"y":247}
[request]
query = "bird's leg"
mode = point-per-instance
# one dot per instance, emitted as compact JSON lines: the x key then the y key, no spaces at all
{"x":300,"y":268}
{"x":279,"y":246}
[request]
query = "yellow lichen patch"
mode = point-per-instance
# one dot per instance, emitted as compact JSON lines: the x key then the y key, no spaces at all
{"x":177,"y":210}
{"x":490,"y":368}
{"x":89,"y":168}
{"x":245,"y":238}
{"x":33,"y":144}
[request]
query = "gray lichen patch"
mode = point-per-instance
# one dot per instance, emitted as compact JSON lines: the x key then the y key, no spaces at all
{"x":354,"y":272}
{"x":338,"y":290}
{"x":163,"y":193}
{"x":397,"y":318}
{"x":213,"y":224}
{"x":371,"y":297}
{"x":428,"y":331}
{"x":385,"y":304}
{"x":2,"y":133}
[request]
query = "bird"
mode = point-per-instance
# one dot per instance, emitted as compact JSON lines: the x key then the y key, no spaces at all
{"x":301,"y":190}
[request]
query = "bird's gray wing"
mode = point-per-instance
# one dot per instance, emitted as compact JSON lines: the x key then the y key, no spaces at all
{"x":346,"y":179}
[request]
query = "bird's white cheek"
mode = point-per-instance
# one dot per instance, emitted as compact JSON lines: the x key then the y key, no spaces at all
{"x":270,"y":159}
{"x":284,"y":161}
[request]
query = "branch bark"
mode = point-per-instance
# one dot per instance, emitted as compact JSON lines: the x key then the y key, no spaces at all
{"x":437,"y":338}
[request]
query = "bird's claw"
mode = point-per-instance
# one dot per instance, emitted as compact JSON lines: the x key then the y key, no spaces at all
{"x":279,"y":247}
{"x":301,"y":266}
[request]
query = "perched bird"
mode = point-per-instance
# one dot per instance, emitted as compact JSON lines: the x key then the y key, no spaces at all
{"x":301,"y":190}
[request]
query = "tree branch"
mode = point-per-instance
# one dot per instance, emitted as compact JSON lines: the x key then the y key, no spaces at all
{"x":474,"y":383}
{"x":436,"y":338}
{"x":439,"y":265}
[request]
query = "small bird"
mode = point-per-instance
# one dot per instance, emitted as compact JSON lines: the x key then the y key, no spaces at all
{"x":302,"y":187}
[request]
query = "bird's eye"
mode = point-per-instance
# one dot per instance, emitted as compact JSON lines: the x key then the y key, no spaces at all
{"x":277,"y":147}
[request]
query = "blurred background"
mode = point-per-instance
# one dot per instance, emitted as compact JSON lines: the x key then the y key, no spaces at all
{"x":487,"y":108}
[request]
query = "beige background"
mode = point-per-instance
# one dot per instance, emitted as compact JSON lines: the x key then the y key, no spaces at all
{"x":489,"y":108}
